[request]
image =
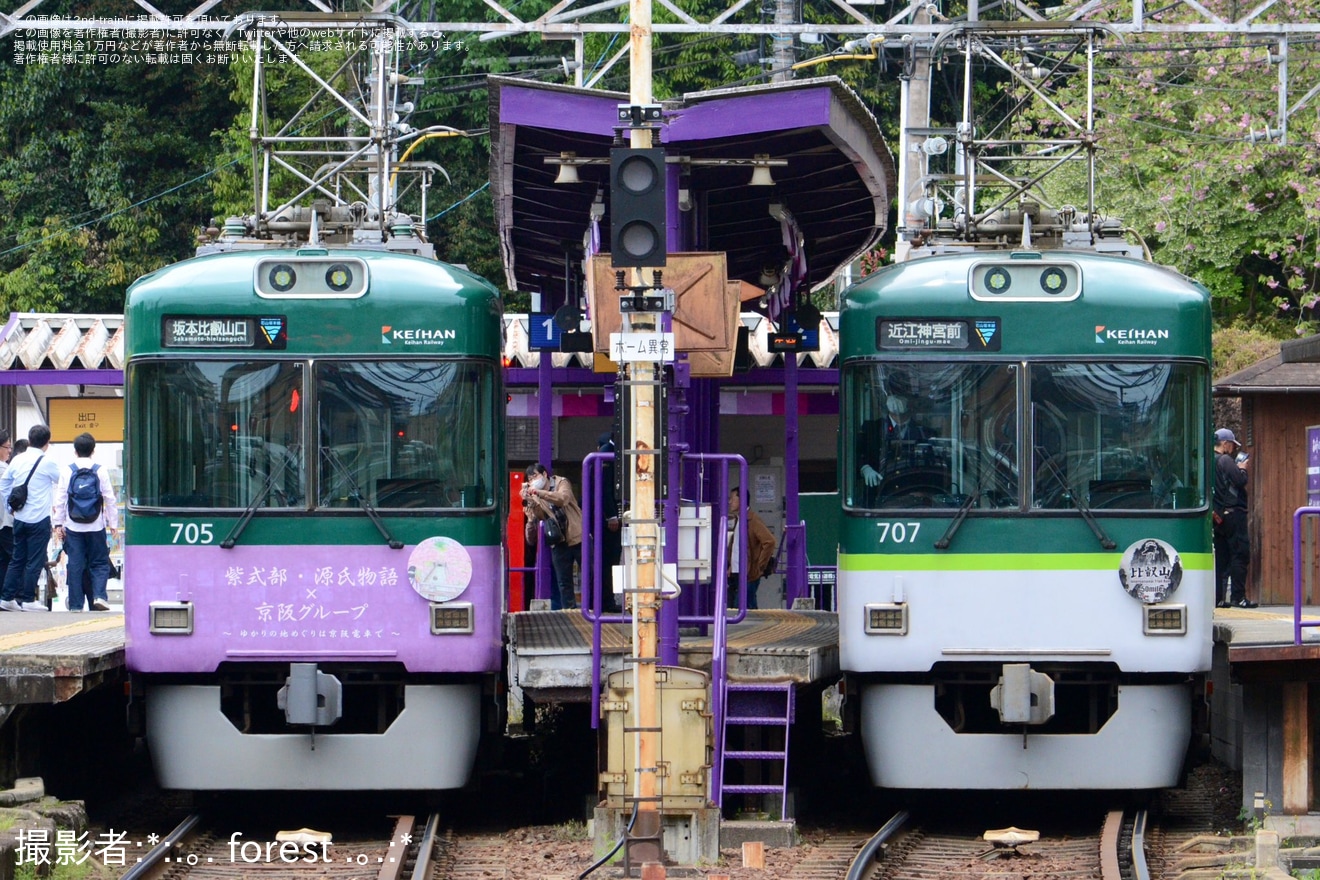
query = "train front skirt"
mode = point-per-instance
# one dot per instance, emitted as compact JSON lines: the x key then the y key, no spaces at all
{"x":431,"y":745}
{"x":909,"y":745}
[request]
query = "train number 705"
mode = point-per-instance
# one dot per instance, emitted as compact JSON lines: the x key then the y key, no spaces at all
{"x":899,"y":533}
{"x":192,"y":533}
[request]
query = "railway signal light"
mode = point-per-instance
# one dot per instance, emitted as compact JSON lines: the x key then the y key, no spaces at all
{"x":637,"y":207}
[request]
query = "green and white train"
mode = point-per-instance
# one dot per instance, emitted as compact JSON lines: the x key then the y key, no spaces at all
{"x":1026,"y":578}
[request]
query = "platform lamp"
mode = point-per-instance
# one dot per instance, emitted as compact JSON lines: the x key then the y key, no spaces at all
{"x":568,"y":163}
{"x":761,"y":175}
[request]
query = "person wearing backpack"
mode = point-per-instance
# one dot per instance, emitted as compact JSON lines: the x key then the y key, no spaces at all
{"x":28,"y":489}
{"x":85,"y":511}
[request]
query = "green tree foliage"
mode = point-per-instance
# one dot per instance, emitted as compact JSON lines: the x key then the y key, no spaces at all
{"x":1175,"y":121}
{"x":1238,"y":347}
{"x":99,"y":173}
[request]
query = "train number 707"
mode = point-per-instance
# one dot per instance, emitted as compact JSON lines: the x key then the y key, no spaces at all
{"x":899,"y":533}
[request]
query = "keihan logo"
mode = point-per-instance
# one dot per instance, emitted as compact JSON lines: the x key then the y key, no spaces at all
{"x":986,"y":330}
{"x":1129,"y":335}
{"x":416,"y":335}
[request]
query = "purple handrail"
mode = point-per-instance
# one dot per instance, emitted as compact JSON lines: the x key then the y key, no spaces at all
{"x":592,"y":563}
{"x":719,"y":565}
{"x":1298,"y":623}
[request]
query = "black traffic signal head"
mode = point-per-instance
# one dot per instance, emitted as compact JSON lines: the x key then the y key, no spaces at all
{"x":637,"y":207}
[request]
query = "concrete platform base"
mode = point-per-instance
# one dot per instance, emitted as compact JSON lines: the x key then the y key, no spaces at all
{"x":1294,"y":827}
{"x":736,"y":832}
{"x":691,"y":837}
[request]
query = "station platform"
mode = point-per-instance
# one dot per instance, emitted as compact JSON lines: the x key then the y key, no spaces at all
{"x":1251,"y":633}
{"x":550,"y":652}
{"x":1264,"y":701}
{"x":51,"y":657}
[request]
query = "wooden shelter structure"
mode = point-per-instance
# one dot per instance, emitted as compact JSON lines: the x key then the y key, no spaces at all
{"x":1280,"y":425}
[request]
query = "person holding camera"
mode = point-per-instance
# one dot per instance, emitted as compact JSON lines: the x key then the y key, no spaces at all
{"x":1232,"y":541}
{"x":551,"y":498}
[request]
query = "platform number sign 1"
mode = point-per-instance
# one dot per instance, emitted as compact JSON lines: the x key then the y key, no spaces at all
{"x":544,"y":332}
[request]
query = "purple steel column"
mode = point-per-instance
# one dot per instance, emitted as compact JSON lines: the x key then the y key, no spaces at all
{"x":678,"y":426}
{"x":691,"y":482}
{"x":675,"y":425}
{"x":705,"y":400}
{"x":592,"y":561}
{"x":793,"y":536}
{"x":545,"y":451}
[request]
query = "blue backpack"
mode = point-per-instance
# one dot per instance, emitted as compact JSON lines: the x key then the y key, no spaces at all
{"x":84,"y":494}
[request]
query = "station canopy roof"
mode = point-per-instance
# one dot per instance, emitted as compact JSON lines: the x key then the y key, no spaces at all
{"x":56,"y":349}
{"x":837,"y":180}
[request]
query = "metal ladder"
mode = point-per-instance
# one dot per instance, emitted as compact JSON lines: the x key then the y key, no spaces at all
{"x":766,"y":707}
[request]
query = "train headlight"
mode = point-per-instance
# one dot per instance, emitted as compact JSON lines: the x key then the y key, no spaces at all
{"x":451,"y":618}
{"x":887,"y":619}
{"x":339,"y":277}
{"x":171,"y":618}
{"x":1165,"y":620}
{"x":282,"y":277}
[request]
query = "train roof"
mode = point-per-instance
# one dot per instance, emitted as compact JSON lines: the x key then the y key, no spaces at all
{"x":337,"y":301}
{"x":1106,"y":303}
{"x":1112,"y":275}
{"x":231,"y":274}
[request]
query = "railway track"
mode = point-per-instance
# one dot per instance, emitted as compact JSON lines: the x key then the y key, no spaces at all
{"x":192,"y":851}
{"x":903,"y":851}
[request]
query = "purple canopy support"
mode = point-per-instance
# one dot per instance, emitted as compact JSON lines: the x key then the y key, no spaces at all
{"x":545,"y":451}
{"x":795,"y":546}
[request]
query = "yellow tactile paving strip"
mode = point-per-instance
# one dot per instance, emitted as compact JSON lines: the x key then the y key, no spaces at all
{"x":98,"y":623}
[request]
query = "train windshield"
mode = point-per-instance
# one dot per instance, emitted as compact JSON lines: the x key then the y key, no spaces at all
{"x":1117,"y":436}
{"x":1103,"y":436}
{"x":401,"y":434}
{"x":384,"y":434}
{"x":225,"y":434}
{"x":932,"y":435}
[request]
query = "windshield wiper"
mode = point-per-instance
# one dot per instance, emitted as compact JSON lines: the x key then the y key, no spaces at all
{"x":275,"y":473}
{"x":947,"y":538}
{"x":1077,"y":502}
{"x":342,"y":469}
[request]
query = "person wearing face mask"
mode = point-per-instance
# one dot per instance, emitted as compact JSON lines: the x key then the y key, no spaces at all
{"x":542,"y":493}
{"x":889,"y":442}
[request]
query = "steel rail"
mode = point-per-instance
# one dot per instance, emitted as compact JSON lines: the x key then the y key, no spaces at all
{"x":151,"y":861}
{"x":426,"y":848}
{"x":872,"y":850}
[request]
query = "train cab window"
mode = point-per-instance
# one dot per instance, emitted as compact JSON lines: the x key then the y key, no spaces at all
{"x":405,"y":434}
{"x":931,"y":435}
{"x":1117,"y":436}
{"x":229,"y":435}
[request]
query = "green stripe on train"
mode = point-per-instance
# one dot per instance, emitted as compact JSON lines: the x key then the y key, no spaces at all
{"x":1003,"y":562}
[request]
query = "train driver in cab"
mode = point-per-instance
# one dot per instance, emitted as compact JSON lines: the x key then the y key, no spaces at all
{"x":890,"y":442}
